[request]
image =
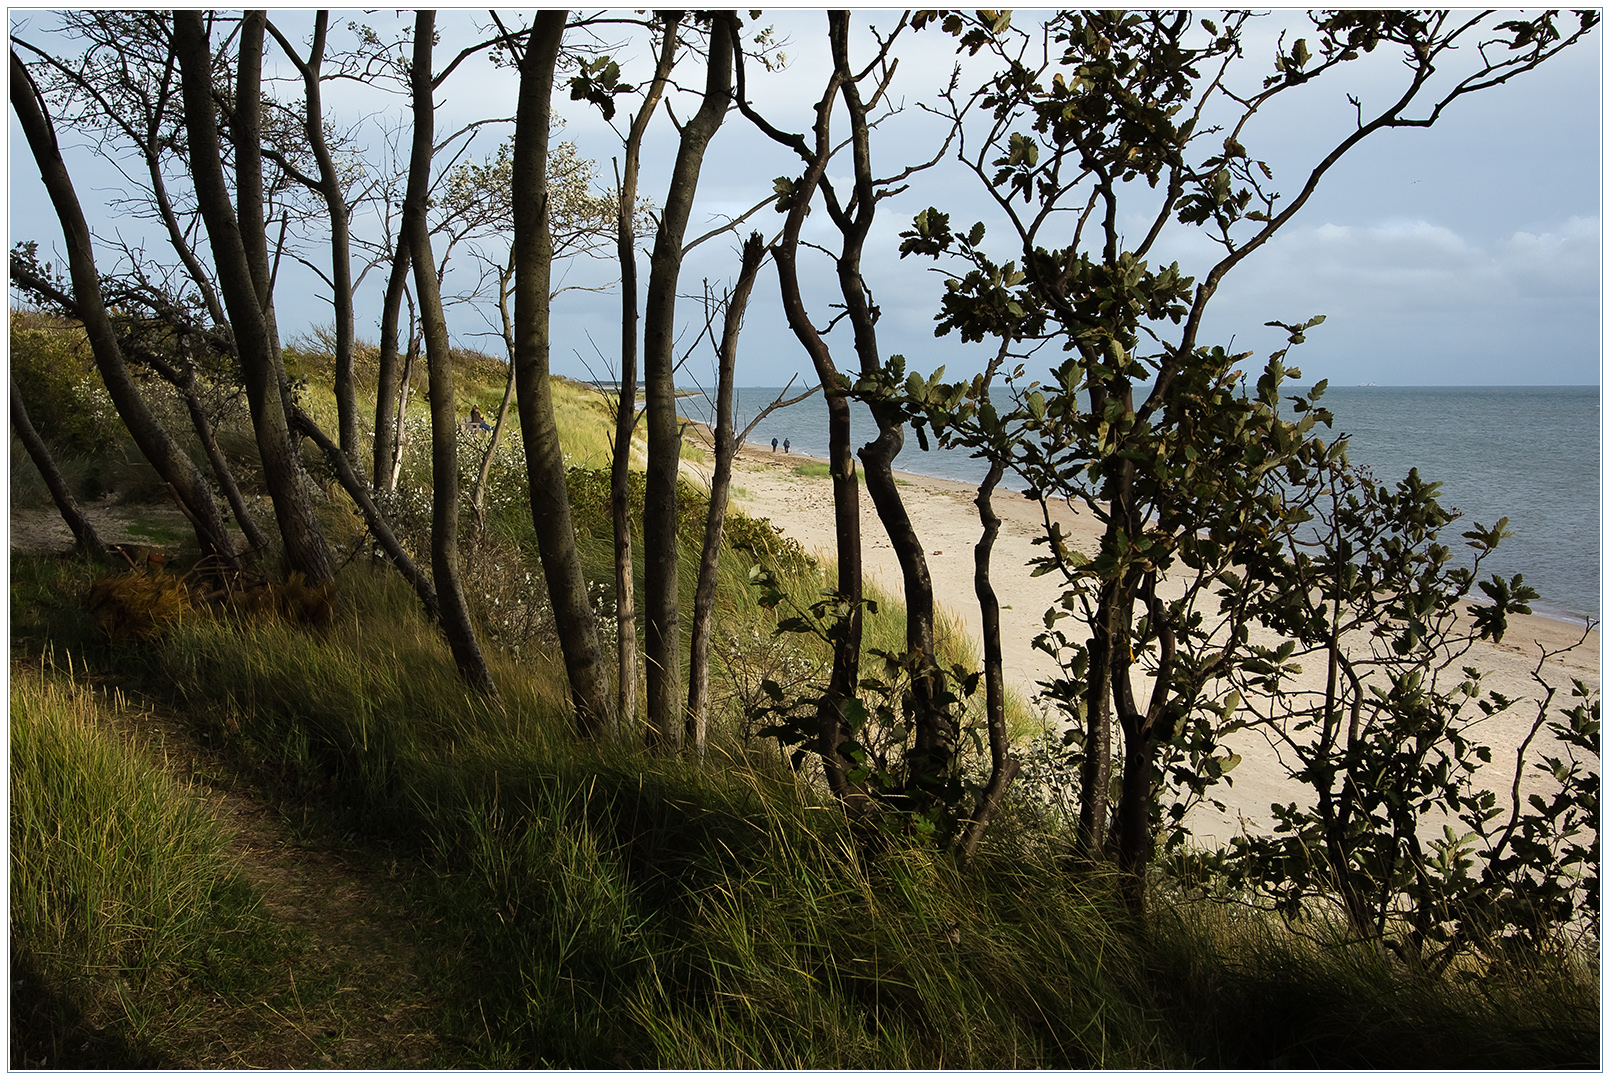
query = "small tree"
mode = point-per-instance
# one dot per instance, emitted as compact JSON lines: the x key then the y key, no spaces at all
{"x":1142,"y":421}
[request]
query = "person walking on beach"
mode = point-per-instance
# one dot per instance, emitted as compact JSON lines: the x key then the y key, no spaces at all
{"x":785,"y":446}
{"x":774,"y":446}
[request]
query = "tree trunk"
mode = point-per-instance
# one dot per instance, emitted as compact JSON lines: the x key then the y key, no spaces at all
{"x":545,"y":465}
{"x":662,"y":641}
{"x":1003,"y":766}
{"x":386,"y":383}
{"x":39,"y":453}
{"x":444,"y":427}
{"x":726,"y":448}
{"x":929,"y":764}
{"x":335,"y":205}
{"x":626,"y":401}
{"x":170,"y":462}
{"x":243,"y":278}
{"x":846,"y":670}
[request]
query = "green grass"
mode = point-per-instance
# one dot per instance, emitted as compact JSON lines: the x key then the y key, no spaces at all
{"x":817,"y":470}
{"x":585,"y":905}
{"x":570,"y":904}
{"x":124,"y":907}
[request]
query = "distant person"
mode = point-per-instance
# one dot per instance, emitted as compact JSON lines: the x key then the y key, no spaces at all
{"x":774,"y":446}
{"x":785,"y":446}
{"x":477,"y":420}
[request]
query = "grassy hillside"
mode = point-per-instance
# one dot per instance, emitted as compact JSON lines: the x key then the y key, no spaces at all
{"x":240,"y":840}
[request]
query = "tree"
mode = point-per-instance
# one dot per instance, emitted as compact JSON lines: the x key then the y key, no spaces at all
{"x":930,"y":785}
{"x":444,"y":426}
{"x":1142,"y":422}
{"x":329,"y":187}
{"x":626,"y":400}
{"x":662,"y":639}
{"x":187,"y":483}
{"x":550,"y":504}
{"x":240,"y":257}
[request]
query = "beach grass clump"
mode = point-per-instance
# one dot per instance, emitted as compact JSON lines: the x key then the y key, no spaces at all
{"x":123,"y":899}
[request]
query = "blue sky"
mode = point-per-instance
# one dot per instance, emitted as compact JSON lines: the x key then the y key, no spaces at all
{"x":1465,"y":254}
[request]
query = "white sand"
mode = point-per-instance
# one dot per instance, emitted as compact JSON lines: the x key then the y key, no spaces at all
{"x":946,"y":518}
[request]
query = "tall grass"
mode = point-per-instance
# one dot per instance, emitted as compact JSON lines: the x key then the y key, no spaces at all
{"x":121,"y":886}
{"x":593,"y":905}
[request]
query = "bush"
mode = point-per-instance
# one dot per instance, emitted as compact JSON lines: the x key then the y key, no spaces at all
{"x":63,"y":392}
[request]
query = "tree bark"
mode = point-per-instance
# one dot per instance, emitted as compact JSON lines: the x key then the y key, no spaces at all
{"x":83,"y":532}
{"x":1003,"y":766}
{"x":662,"y":640}
{"x":386,"y":383}
{"x":335,"y":205}
{"x":545,"y":465}
{"x":626,"y":401}
{"x":444,"y":426}
{"x":846,"y":671}
{"x":170,"y":462}
{"x":726,"y":448}
{"x":243,"y":279}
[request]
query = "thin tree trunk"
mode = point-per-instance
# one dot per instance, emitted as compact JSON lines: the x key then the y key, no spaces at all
{"x":444,"y":427}
{"x":846,"y":670}
{"x":478,"y":492}
{"x":215,"y":457}
{"x":550,"y":500}
{"x":626,"y":401}
{"x":661,"y":586}
{"x":83,"y":532}
{"x":1003,"y":766}
{"x":399,"y":422}
{"x":335,"y":205}
{"x":243,"y":275}
{"x":726,"y":448}
{"x":930,"y":763}
{"x":170,"y":462}
{"x":378,"y":525}
{"x":386,"y":383}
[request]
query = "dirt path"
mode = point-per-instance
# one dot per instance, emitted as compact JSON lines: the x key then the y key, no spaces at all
{"x":366,"y":1008}
{"x":346,"y":992}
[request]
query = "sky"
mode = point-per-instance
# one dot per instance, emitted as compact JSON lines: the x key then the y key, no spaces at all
{"x":1469,"y":253}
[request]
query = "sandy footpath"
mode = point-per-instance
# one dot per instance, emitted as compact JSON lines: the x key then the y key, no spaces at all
{"x":765,"y":484}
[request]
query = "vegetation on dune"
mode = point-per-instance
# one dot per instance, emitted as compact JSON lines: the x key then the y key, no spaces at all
{"x":362,"y":772}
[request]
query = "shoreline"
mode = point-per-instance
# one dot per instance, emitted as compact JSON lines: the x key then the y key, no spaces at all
{"x":946,"y":519}
{"x":970,"y":491}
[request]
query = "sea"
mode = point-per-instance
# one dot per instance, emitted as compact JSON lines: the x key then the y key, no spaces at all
{"x":1528,"y":453}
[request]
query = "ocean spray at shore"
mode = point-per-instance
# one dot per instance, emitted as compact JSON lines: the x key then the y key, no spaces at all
{"x":1527,"y":453}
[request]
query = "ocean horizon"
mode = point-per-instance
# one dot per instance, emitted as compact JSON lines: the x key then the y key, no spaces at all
{"x":1529,"y":453}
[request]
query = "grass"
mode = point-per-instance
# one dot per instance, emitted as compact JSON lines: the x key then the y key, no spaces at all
{"x":527,"y":899}
{"x":593,"y":906}
{"x":816,"y":470}
{"x":124,"y":906}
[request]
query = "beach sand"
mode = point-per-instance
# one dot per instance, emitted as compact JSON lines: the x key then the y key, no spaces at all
{"x":765,"y":484}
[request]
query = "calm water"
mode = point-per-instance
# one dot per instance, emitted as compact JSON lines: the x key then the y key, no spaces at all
{"x":1527,"y":453}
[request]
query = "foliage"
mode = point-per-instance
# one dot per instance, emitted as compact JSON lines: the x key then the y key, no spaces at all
{"x":65,"y":398}
{"x":1392,"y":742}
{"x":1197,"y":479}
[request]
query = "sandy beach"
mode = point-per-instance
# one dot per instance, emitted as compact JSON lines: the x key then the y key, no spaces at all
{"x":766,"y":484}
